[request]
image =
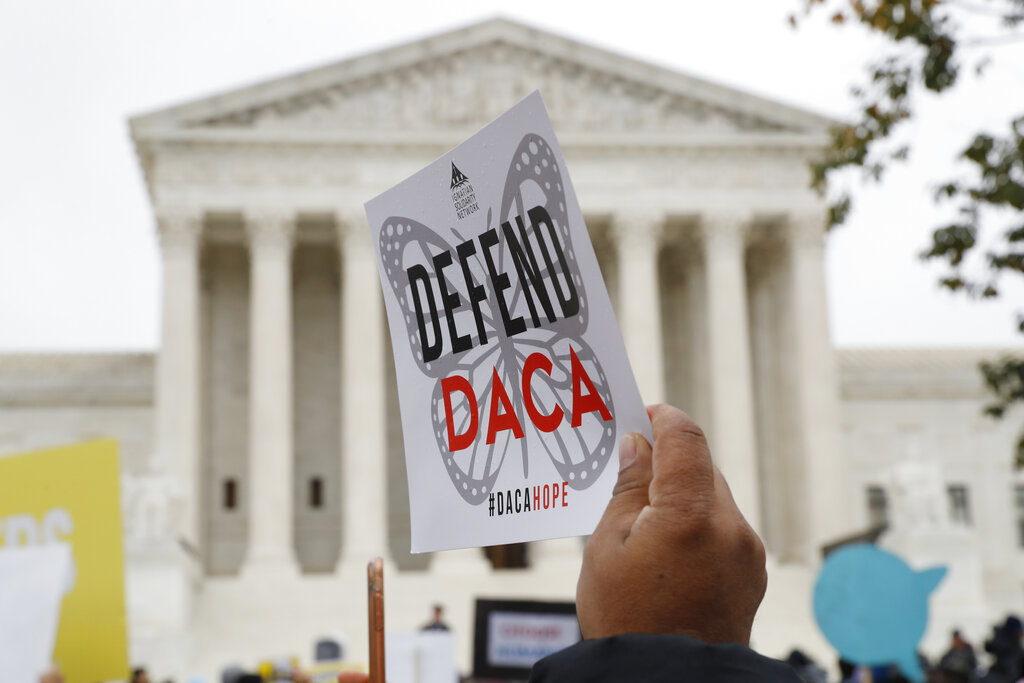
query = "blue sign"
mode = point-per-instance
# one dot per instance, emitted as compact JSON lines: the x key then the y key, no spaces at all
{"x":873,"y":608}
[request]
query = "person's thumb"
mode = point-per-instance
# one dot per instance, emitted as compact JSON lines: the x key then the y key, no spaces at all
{"x":630,"y":494}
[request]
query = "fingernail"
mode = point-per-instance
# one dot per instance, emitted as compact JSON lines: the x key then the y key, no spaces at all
{"x":627,"y":451}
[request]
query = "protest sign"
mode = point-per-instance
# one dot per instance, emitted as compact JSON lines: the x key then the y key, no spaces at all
{"x":510,"y":636}
{"x":425,"y":657}
{"x":513,"y":380}
{"x":873,"y":608}
{"x":33,"y":581}
{"x":71,"y":495}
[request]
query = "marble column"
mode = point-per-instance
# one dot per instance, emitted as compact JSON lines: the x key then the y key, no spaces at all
{"x":638,"y":237}
{"x":817,"y":395}
{"x":271,"y":467}
{"x":731,"y":431}
{"x":177,"y":372}
{"x":364,"y":446}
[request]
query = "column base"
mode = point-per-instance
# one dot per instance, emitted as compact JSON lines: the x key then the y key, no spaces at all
{"x":463,"y":561}
{"x":162,"y":581}
{"x":355,"y":566}
{"x":276,"y":566}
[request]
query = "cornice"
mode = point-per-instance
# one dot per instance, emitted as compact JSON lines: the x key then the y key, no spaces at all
{"x":29,"y":380}
{"x":915,"y":374}
{"x":446,"y":139}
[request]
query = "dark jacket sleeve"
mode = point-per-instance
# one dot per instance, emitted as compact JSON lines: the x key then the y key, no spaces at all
{"x":654,"y":658}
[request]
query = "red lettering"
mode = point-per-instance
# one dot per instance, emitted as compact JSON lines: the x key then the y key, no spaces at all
{"x":584,"y":403}
{"x":502,"y":411}
{"x":545,"y":423}
{"x":536,"y":497}
{"x":564,"y":502}
{"x":456,"y":442}
{"x":506,"y":419}
{"x":555,"y":491}
{"x":522,"y":631}
{"x":547,"y":496}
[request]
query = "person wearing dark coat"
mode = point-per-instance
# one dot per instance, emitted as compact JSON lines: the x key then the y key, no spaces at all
{"x":959,"y":664}
{"x":659,"y":658}
{"x":1005,"y":646}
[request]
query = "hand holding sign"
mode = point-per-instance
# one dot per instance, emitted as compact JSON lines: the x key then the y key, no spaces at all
{"x":672,"y":553}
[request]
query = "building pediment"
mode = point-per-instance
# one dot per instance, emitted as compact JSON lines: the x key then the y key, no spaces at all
{"x":460,"y":80}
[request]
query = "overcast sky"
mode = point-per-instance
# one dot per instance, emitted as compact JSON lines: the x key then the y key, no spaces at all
{"x":79,"y":266}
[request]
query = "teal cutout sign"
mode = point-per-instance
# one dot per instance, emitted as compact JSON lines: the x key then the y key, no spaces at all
{"x":873,"y":608}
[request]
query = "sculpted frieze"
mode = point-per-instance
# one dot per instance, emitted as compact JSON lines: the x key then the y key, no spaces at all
{"x":470,"y":87}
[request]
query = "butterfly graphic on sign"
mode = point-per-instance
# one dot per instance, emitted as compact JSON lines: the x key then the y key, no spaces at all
{"x":498,"y":320}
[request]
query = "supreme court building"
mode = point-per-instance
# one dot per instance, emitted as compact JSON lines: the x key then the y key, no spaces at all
{"x":261,"y":445}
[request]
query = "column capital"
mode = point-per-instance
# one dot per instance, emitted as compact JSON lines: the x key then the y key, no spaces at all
{"x":179,"y":228}
{"x":806,"y":229}
{"x":353,"y":228}
{"x":270,"y":228}
{"x":640,"y":226}
{"x":725,"y":228}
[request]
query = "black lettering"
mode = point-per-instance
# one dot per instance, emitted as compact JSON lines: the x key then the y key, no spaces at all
{"x":417,"y":273}
{"x":450,"y":301}
{"x":477,"y":293}
{"x":529,"y":272}
{"x":569,"y":300}
{"x":519,"y":501}
{"x":500,"y":282}
{"x":526,"y":499}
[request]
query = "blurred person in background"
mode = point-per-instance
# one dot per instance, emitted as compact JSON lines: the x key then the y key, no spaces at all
{"x":437,"y":623}
{"x":806,"y":668}
{"x":959,"y":664}
{"x":1005,"y":647}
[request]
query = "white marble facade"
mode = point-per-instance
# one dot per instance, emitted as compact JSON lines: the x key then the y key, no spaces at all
{"x":267,"y":451}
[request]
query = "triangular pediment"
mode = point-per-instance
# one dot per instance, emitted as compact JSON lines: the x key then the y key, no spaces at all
{"x":462,"y":79}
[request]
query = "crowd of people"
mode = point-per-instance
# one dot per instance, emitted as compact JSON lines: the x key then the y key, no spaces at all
{"x":961,"y":663}
{"x":1001,"y":662}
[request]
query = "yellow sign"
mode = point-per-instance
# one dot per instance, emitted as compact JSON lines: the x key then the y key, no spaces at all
{"x":71,"y":494}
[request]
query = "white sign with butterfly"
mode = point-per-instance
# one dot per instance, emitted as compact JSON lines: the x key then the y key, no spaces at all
{"x":513,"y":380}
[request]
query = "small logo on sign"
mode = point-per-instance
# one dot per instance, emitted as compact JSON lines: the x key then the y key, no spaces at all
{"x":463,"y":195}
